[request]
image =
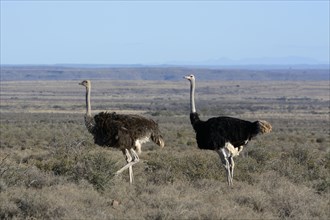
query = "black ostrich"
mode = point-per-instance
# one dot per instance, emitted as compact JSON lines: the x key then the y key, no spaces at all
{"x":125,"y":132}
{"x":225,"y":135}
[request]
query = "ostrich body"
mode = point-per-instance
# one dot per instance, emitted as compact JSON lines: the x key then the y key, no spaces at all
{"x":124,"y":132}
{"x":225,"y":135}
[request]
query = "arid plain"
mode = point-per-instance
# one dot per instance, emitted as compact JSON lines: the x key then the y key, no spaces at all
{"x":50,"y":167}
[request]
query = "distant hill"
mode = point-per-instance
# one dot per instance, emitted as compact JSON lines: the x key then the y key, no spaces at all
{"x":139,"y":72}
{"x":260,"y":61}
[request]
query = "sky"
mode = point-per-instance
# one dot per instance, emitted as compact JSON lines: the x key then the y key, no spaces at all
{"x":163,"y":32}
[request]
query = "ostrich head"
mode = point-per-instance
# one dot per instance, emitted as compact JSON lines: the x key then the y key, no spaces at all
{"x":190,"y":77}
{"x":86,"y":83}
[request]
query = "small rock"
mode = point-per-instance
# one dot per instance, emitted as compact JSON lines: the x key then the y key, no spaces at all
{"x":115,"y":203}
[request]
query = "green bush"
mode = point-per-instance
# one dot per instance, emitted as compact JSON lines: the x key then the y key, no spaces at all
{"x":97,"y":168}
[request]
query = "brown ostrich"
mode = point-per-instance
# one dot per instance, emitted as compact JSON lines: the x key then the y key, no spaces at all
{"x":121,"y":131}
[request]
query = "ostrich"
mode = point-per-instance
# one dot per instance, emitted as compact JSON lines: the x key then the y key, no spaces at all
{"x":124,"y":132}
{"x":225,"y":135}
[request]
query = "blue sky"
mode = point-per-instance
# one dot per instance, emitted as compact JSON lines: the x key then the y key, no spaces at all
{"x":160,"y":32}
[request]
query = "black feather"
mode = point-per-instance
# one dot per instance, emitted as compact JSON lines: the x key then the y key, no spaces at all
{"x":215,"y":132}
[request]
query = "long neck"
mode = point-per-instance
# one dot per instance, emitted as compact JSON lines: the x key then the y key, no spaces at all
{"x":89,"y":120}
{"x":192,"y":96}
{"x":88,"y":102}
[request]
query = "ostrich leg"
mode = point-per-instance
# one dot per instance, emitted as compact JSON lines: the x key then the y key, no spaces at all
{"x":130,"y":168}
{"x":135,"y":158}
{"x":232,"y":165}
{"x":224,"y":160}
{"x":229,"y":174}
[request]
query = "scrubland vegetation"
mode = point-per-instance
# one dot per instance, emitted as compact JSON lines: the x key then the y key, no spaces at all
{"x":51,"y":169}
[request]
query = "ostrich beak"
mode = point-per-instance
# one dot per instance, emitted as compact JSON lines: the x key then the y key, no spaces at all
{"x":80,"y":83}
{"x":186,"y":77}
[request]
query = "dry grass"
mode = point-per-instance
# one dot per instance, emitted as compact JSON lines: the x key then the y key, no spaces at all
{"x":50,"y":168}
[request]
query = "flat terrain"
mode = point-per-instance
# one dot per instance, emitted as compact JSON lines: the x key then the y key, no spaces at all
{"x":50,"y":167}
{"x":74,"y":72}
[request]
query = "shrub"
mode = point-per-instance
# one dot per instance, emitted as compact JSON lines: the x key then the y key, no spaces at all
{"x":98,"y":168}
{"x":190,"y":167}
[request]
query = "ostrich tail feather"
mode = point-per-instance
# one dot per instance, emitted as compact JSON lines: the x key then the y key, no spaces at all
{"x":158,"y":139}
{"x":264,"y":127}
